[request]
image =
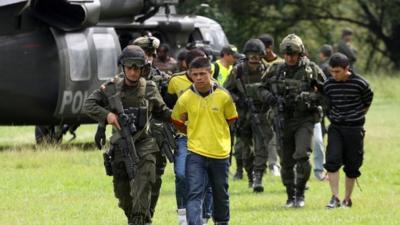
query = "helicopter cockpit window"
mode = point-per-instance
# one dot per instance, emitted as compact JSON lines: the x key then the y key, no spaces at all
{"x":214,"y":35}
{"x":106,"y":53}
{"x":195,"y":36}
{"x":78,"y":56}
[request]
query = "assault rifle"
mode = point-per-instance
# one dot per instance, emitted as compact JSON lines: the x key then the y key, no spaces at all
{"x":126,"y":142}
{"x":254,"y":116}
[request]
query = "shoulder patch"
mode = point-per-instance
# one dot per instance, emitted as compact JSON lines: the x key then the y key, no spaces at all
{"x":104,"y":86}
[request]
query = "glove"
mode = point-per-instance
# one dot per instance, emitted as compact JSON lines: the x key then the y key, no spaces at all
{"x":100,"y":137}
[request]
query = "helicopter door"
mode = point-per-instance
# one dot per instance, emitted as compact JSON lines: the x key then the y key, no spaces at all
{"x":88,"y":58}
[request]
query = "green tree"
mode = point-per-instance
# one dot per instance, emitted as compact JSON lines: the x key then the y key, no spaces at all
{"x":376,"y":22}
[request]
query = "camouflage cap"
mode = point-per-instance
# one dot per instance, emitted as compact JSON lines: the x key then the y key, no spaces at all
{"x":148,"y":44}
{"x":292,"y":44}
{"x":231,"y":50}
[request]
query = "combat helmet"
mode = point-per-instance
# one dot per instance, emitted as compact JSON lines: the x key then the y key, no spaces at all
{"x":255,"y":46}
{"x":292,"y":44}
{"x":149,"y":44}
{"x":132,"y":55}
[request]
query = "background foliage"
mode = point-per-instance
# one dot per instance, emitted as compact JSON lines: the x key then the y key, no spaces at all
{"x":376,"y":24}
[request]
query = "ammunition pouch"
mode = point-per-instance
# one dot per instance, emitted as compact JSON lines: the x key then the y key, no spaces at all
{"x":108,"y":157}
{"x":309,"y":102}
{"x":137,"y":115}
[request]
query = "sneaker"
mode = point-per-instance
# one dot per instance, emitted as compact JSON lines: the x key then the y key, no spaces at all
{"x":347,"y":203}
{"x":275,"y":171}
{"x":182,"y":217}
{"x":290,"y":203}
{"x":333,"y":203}
{"x":320,"y":175}
{"x":299,"y":203}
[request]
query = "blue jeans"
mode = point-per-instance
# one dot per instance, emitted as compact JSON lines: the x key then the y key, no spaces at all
{"x":319,"y":149}
{"x":201,"y":171}
{"x":208,"y":202}
{"x":179,"y":168}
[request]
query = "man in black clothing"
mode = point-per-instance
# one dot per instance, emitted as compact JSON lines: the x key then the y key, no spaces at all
{"x":346,"y":47}
{"x":349,"y":97}
{"x":325,"y":53}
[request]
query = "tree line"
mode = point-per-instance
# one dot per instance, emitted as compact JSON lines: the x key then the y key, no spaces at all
{"x":376,"y":24}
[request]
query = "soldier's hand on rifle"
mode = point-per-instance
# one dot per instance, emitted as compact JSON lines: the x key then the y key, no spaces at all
{"x":113,"y":120}
{"x":100,"y":137}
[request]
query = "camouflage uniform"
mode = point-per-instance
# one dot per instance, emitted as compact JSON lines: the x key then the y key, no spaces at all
{"x":247,"y":133}
{"x":150,"y":45}
{"x":161,"y":80}
{"x":299,"y":116}
{"x":133,"y":195}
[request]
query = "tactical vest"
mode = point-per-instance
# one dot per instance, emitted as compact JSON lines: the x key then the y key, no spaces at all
{"x":297,"y":81}
{"x":251,"y":80}
{"x":134,"y":100}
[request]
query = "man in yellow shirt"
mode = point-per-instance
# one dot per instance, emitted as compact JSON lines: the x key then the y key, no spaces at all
{"x":204,"y":112}
{"x":223,"y":66}
{"x":177,"y":85}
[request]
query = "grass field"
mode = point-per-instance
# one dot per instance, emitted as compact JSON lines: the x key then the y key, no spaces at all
{"x":67,"y":185}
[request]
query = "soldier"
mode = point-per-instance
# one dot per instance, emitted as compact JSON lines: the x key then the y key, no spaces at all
{"x":270,"y":59}
{"x":132,"y":183}
{"x":292,"y":88}
{"x":150,"y":44}
{"x":253,"y":126}
{"x":345,"y":46}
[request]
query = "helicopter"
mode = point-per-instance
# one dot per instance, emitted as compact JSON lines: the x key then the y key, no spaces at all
{"x":54,"y":53}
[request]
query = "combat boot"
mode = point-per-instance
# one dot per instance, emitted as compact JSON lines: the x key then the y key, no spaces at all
{"x":250,"y":179}
{"x":257,"y":181}
{"x":300,"y":197}
{"x":291,"y":201}
{"x":239,"y":170}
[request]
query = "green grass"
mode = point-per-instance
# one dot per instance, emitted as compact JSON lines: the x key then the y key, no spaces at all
{"x":67,"y":185}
